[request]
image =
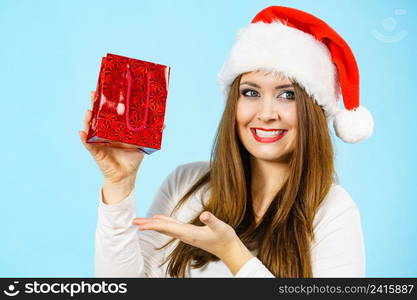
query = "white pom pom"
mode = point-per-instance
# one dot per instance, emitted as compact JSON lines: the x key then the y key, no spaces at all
{"x":353,"y":126}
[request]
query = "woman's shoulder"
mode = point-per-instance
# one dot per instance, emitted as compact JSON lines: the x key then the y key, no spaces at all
{"x":179,"y":182}
{"x":336,"y":203}
{"x":193,"y":167}
{"x":185,"y":175}
{"x":191,"y":171}
{"x":176,"y":185}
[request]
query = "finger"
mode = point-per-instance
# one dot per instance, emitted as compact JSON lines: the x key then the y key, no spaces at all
{"x":140,"y":220}
{"x":152,"y":224}
{"x":83,"y":138}
{"x":211,"y":221}
{"x":87,"y":119}
{"x":93,"y":148}
{"x":157,"y":217}
{"x":189,"y":234}
{"x":164,"y":227}
{"x":137,"y":221}
{"x":92,"y":97}
{"x":166,"y":218}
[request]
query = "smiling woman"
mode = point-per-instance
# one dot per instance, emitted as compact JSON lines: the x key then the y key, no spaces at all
{"x":267,"y":204}
{"x":266,"y":113}
{"x":279,"y":187}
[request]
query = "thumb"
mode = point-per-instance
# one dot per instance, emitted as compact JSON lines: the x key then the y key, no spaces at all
{"x":210,"y":220}
{"x":83,"y":138}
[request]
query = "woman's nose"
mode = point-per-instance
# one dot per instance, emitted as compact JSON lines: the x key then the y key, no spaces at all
{"x":267,"y":111}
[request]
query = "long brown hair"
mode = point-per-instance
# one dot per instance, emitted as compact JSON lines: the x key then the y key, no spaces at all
{"x":285,"y":232}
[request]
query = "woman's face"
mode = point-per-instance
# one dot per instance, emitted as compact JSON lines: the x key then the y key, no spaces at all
{"x":266,"y":115}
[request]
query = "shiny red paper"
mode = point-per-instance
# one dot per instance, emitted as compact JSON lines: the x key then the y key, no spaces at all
{"x":129,"y":106}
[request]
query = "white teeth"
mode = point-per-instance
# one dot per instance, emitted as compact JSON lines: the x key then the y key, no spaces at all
{"x":263,"y":133}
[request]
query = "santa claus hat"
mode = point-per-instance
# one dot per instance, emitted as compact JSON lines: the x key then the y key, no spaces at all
{"x":307,"y":50}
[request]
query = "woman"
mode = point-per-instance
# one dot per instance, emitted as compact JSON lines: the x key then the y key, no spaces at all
{"x":267,"y":204}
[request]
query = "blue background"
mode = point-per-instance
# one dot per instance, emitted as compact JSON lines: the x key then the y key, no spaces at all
{"x":50,"y":56}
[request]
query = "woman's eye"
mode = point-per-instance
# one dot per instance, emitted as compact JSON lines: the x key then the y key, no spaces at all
{"x":288,"y":95}
{"x":250,"y":93}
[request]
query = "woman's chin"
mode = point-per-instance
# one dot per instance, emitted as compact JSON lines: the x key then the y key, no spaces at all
{"x":272,"y":156}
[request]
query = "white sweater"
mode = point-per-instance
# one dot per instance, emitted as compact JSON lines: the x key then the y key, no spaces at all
{"x":121,"y":250}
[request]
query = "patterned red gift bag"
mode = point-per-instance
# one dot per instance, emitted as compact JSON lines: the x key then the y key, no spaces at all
{"x":129,"y":106}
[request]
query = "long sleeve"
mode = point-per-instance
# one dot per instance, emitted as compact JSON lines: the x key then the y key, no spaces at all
{"x":338,"y":249}
{"x":254,"y":268}
{"x":116,"y":245}
{"x":121,"y":250}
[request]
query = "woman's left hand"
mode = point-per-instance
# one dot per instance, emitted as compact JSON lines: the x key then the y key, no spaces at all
{"x":215,"y":237}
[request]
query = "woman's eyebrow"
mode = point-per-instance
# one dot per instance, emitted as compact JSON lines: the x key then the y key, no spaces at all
{"x":283,"y":86}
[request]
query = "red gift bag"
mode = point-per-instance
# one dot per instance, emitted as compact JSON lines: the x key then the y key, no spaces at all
{"x":129,"y":106}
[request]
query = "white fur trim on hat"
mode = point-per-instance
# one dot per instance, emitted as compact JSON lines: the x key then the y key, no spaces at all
{"x":292,"y":52}
{"x":353,"y":126}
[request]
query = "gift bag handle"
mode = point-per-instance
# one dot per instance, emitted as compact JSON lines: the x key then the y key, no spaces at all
{"x":129,"y":89}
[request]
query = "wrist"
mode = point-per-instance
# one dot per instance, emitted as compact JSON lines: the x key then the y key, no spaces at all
{"x":114,"y":193}
{"x":235,"y":256}
{"x":234,"y":249}
{"x":120,"y":183}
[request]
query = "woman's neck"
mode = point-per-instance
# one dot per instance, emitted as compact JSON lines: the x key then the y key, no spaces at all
{"x":267,"y":179}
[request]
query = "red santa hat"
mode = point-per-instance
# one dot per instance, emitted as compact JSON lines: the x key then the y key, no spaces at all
{"x":305,"y":49}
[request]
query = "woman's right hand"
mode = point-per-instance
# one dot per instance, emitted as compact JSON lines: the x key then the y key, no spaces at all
{"x":119,"y":166}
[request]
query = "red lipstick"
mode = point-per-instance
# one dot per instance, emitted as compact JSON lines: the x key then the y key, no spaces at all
{"x":267,"y":139}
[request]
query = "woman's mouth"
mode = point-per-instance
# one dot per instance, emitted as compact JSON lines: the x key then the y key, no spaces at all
{"x":268,"y":136}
